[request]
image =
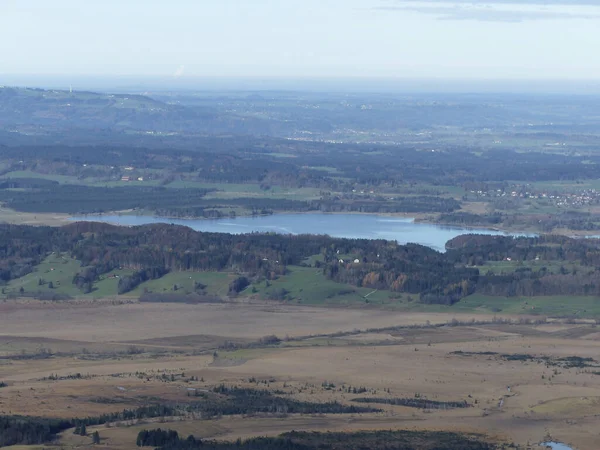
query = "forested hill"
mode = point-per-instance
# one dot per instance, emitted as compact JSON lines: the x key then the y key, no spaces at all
{"x":60,"y":110}
{"x":474,"y":249}
{"x":153,"y":250}
{"x":488,"y":265}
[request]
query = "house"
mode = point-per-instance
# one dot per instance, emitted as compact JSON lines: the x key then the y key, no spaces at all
{"x":140,"y":179}
{"x":356,"y":261}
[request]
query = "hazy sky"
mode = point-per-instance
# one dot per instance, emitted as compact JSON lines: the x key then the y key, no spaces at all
{"x":498,"y":39}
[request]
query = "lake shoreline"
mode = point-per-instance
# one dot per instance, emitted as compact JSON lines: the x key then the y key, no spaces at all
{"x":402,"y":229}
{"x":424,"y":218}
{"x":60,"y":219}
{"x":417,"y":218}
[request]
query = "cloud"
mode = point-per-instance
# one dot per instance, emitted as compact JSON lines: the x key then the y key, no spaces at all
{"x":179,"y":71}
{"x":488,"y":15}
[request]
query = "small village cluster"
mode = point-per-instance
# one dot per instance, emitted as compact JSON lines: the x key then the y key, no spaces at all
{"x":575,"y":198}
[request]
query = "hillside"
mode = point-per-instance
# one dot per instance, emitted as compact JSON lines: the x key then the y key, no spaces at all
{"x":27,"y":110}
{"x":544,"y":275}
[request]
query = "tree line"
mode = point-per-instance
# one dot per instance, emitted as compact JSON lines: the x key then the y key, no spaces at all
{"x":545,"y":265}
{"x":373,"y":440}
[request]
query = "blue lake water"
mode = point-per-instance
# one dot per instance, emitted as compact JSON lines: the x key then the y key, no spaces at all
{"x":365,"y":226}
{"x":556,"y":446}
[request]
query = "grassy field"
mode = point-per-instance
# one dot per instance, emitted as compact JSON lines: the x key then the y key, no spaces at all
{"x":328,"y":169}
{"x":554,"y":306}
{"x":449,"y":363}
{"x":223,"y":191}
{"x":228,"y":191}
{"x":308,"y":286}
{"x":62,"y":179}
{"x":280,"y":193}
{"x":67,"y":179}
{"x":58,"y":269}
{"x":300,"y":286}
{"x":217,"y":283}
{"x":119,"y":183}
{"x":303,"y":285}
{"x":107,"y":285}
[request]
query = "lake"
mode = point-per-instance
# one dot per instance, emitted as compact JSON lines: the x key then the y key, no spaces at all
{"x":364,"y":226}
{"x":555,"y":446}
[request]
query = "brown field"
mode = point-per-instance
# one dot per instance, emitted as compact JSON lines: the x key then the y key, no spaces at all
{"x":108,"y":344}
{"x":23,"y":218}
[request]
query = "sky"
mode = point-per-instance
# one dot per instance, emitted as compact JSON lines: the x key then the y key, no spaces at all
{"x":440,"y":39}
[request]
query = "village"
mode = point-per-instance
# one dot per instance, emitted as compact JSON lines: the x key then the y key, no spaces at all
{"x":562,"y":199}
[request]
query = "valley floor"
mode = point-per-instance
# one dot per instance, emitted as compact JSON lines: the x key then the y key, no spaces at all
{"x":519,"y":378}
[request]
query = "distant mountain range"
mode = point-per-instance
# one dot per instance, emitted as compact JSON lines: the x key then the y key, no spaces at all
{"x":179,"y":118}
{"x":34,"y":110}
